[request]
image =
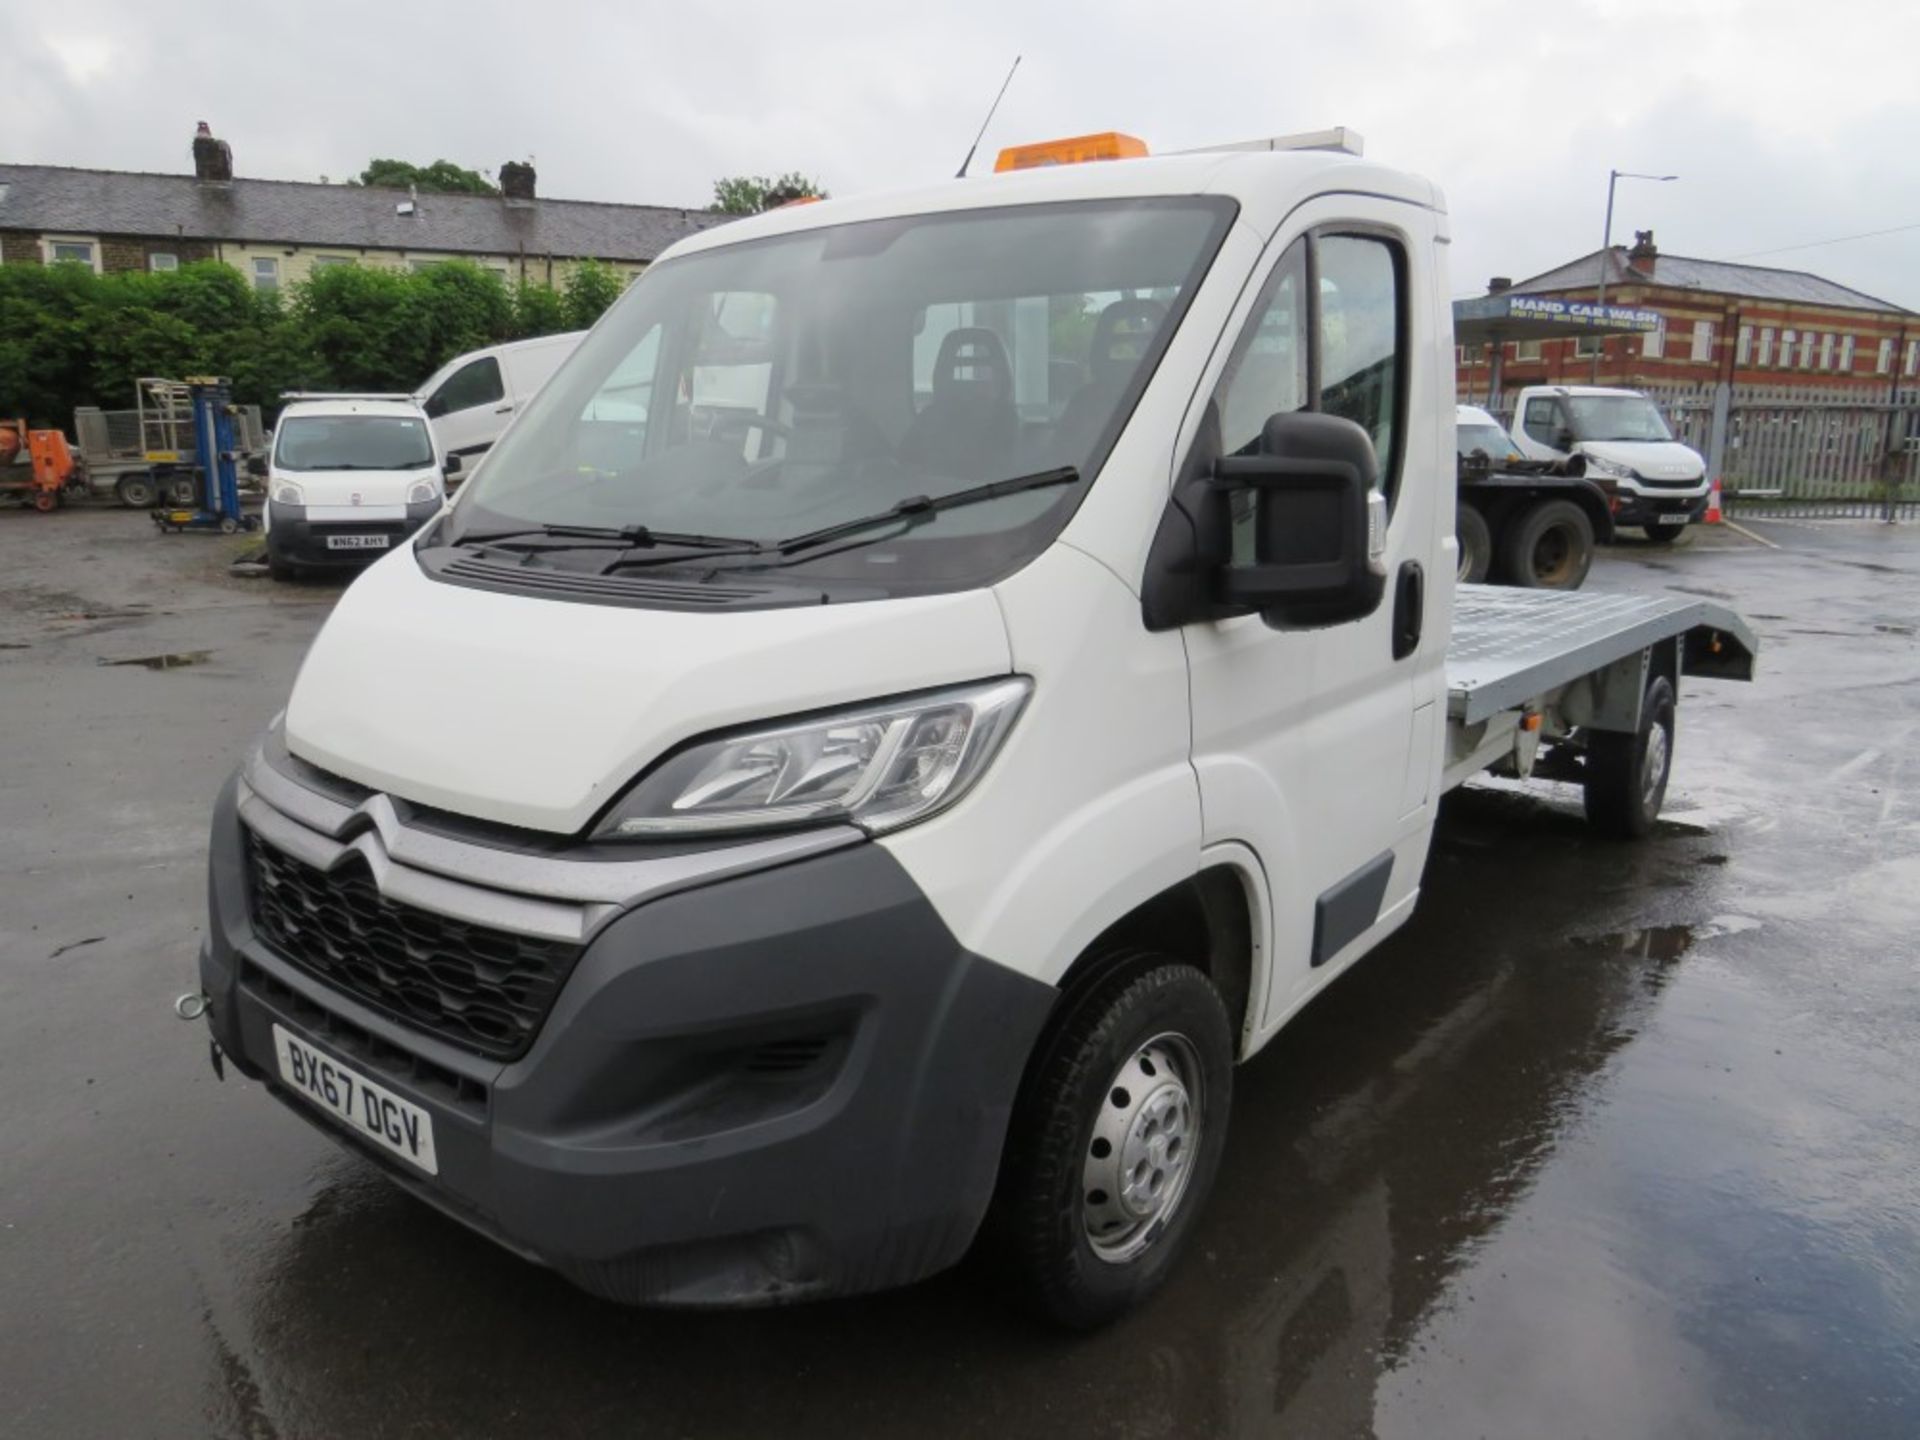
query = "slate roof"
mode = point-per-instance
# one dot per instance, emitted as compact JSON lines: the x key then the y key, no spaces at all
{"x":57,"y":199}
{"x":1720,"y":277}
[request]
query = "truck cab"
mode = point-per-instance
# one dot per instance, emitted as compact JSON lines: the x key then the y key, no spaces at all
{"x":1655,"y":482}
{"x":889,"y":803}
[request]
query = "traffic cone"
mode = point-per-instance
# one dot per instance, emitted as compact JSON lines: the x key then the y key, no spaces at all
{"x":1713,"y":515}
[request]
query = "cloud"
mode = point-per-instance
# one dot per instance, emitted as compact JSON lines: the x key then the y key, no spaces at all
{"x":1516,"y":109}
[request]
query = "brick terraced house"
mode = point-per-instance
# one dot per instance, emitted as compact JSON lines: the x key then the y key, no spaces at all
{"x":276,"y":232}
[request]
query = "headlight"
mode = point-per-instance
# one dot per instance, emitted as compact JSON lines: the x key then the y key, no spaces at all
{"x":878,"y":767}
{"x":1611,"y":468}
{"x":422,"y":490}
{"x":285,"y":492}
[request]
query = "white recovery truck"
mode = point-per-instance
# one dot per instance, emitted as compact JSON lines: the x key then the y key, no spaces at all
{"x":882,"y":819}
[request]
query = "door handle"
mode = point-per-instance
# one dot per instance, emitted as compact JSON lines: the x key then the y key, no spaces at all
{"x":1409,"y":609}
{"x":504,"y":410}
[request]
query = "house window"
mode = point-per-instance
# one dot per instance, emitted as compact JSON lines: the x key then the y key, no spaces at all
{"x":419,"y":265}
{"x":266,"y":273}
{"x":1526,"y":351}
{"x":1884,"y":365}
{"x":325,"y":262}
{"x":1913,"y":356}
{"x":1703,"y":341}
{"x":1846,"y":353}
{"x":68,"y":248}
{"x":499,"y":272}
{"x":160,"y":261}
{"x":1788,"y":340}
{"x":1586,"y":347}
{"x":1743,"y":347}
{"x":1766,"y":346}
{"x":1826,"y":351}
{"x":1653,"y":345}
{"x":1806,"y":349}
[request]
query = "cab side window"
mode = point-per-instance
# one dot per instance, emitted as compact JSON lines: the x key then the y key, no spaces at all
{"x":1357,"y":340}
{"x":1541,"y":423}
{"x":475,"y":383}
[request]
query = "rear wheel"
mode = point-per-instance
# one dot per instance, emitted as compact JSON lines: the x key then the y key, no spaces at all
{"x":1476,"y":544}
{"x":1626,"y":779}
{"x":1549,"y":547}
{"x":136,"y":490}
{"x":182,"y":491}
{"x":1115,"y":1140}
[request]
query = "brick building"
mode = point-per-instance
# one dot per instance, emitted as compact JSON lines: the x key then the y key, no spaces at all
{"x":1743,"y":324}
{"x":276,"y":232}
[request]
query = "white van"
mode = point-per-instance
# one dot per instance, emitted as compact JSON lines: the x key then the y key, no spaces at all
{"x":471,"y":398}
{"x":1652,"y":479}
{"x":348,"y":478}
{"x":880,"y":813}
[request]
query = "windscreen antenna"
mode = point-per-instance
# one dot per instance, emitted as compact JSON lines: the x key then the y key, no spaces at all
{"x":989,"y":120}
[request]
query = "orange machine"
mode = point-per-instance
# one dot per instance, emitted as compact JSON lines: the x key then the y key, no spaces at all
{"x":35,"y":465}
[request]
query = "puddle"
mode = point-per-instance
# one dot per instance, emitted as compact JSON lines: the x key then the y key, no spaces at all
{"x":1894,"y":629}
{"x":14,"y":645}
{"x":1653,"y":942}
{"x":1711,"y":860}
{"x":175,"y":660}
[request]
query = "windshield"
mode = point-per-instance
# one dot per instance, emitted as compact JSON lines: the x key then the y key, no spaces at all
{"x":1481,"y":436}
{"x":777,"y":387}
{"x":1615,"y":417}
{"x":352,"y":442}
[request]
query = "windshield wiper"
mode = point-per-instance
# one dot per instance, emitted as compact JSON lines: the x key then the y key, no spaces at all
{"x":916,"y":509}
{"x":624,"y":537}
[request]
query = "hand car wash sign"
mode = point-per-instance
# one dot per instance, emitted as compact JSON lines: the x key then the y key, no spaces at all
{"x":1583,"y":312}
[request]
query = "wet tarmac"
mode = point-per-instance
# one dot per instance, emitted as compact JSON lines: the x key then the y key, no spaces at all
{"x":1611,"y":1141}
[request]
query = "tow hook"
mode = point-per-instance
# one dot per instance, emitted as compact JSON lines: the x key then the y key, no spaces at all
{"x":191,"y":1006}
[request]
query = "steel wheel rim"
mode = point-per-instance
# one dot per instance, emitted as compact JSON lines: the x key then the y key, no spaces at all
{"x":1141,"y":1154}
{"x":1553,"y":555}
{"x":1656,"y":763}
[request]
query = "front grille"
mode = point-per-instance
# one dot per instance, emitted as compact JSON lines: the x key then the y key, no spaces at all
{"x":482,"y":989}
{"x":1670,"y":484}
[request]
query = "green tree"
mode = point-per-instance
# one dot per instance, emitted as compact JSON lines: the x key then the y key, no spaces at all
{"x":442,"y":177}
{"x":750,"y":194}
{"x":591,"y":288}
{"x":537,"y":310}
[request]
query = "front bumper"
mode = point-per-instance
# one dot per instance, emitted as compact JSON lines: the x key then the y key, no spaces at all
{"x":1649,"y":509}
{"x":786,"y":1084}
{"x":294,"y":535}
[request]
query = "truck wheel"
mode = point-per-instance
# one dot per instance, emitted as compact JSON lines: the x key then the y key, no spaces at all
{"x":1115,"y":1141}
{"x":1476,"y":544}
{"x":1626,"y":780}
{"x":135,"y":490}
{"x":1662,"y":534}
{"x":1549,"y":547}
{"x":182,"y":491}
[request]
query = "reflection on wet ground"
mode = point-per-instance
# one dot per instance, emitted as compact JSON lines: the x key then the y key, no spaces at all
{"x":1611,"y":1140}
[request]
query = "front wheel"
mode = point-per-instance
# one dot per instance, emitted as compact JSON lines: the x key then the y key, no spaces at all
{"x":135,"y":489}
{"x":1549,"y":547}
{"x":1116,"y":1139}
{"x":1626,"y":779}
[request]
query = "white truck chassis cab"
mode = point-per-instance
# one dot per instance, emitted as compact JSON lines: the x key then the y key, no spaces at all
{"x":887,"y":807}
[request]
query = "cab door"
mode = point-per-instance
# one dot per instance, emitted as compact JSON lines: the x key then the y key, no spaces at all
{"x":469,"y":409}
{"x":1317,"y":748}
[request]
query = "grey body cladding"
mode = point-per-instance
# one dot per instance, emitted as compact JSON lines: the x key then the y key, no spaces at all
{"x":1344,"y":911}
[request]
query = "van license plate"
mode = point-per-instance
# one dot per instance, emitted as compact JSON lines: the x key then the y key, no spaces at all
{"x":357,"y":542}
{"x":350,"y":1097}
{"x":1679,"y":519}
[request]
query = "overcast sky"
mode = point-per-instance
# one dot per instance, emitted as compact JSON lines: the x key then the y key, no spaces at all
{"x":1786,"y":122}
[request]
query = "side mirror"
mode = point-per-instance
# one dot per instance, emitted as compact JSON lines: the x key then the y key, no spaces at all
{"x":257,"y":466}
{"x":1319,"y":522}
{"x":452,"y":466}
{"x":1564,"y":440}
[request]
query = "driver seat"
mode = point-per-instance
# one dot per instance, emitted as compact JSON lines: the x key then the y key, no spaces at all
{"x":1121,"y":338}
{"x":970,"y":426}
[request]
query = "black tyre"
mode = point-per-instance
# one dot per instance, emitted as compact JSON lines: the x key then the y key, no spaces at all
{"x":182,"y":491}
{"x":282,"y":570}
{"x":135,"y":489}
{"x":1663,"y":534}
{"x":1116,"y":1139}
{"x":1549,"y":547}
{"x":1476,"y":544}
{"x":1626,"y":779}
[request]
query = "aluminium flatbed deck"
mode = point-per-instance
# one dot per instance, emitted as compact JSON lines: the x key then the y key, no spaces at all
{"x":1511,"y":646}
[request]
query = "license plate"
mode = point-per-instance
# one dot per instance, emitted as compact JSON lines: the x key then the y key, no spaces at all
{"x":1679,"y":519}
{"x":350,"y":1097}
{"x":358,"y":542}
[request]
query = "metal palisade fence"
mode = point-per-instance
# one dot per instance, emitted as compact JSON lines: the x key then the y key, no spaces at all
{"x":1795,"y":451}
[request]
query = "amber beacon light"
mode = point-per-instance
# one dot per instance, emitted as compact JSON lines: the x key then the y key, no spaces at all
{"x":1107,"y":145}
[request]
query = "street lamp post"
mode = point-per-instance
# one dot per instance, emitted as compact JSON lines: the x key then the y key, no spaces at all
{"x":1606,"y":254}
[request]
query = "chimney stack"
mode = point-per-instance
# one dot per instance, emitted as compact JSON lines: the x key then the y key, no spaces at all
{"x":516,"y":182}
{"x":212,"y":159}
{"x":1644,"y":253}
{"x":1499,"y":285}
